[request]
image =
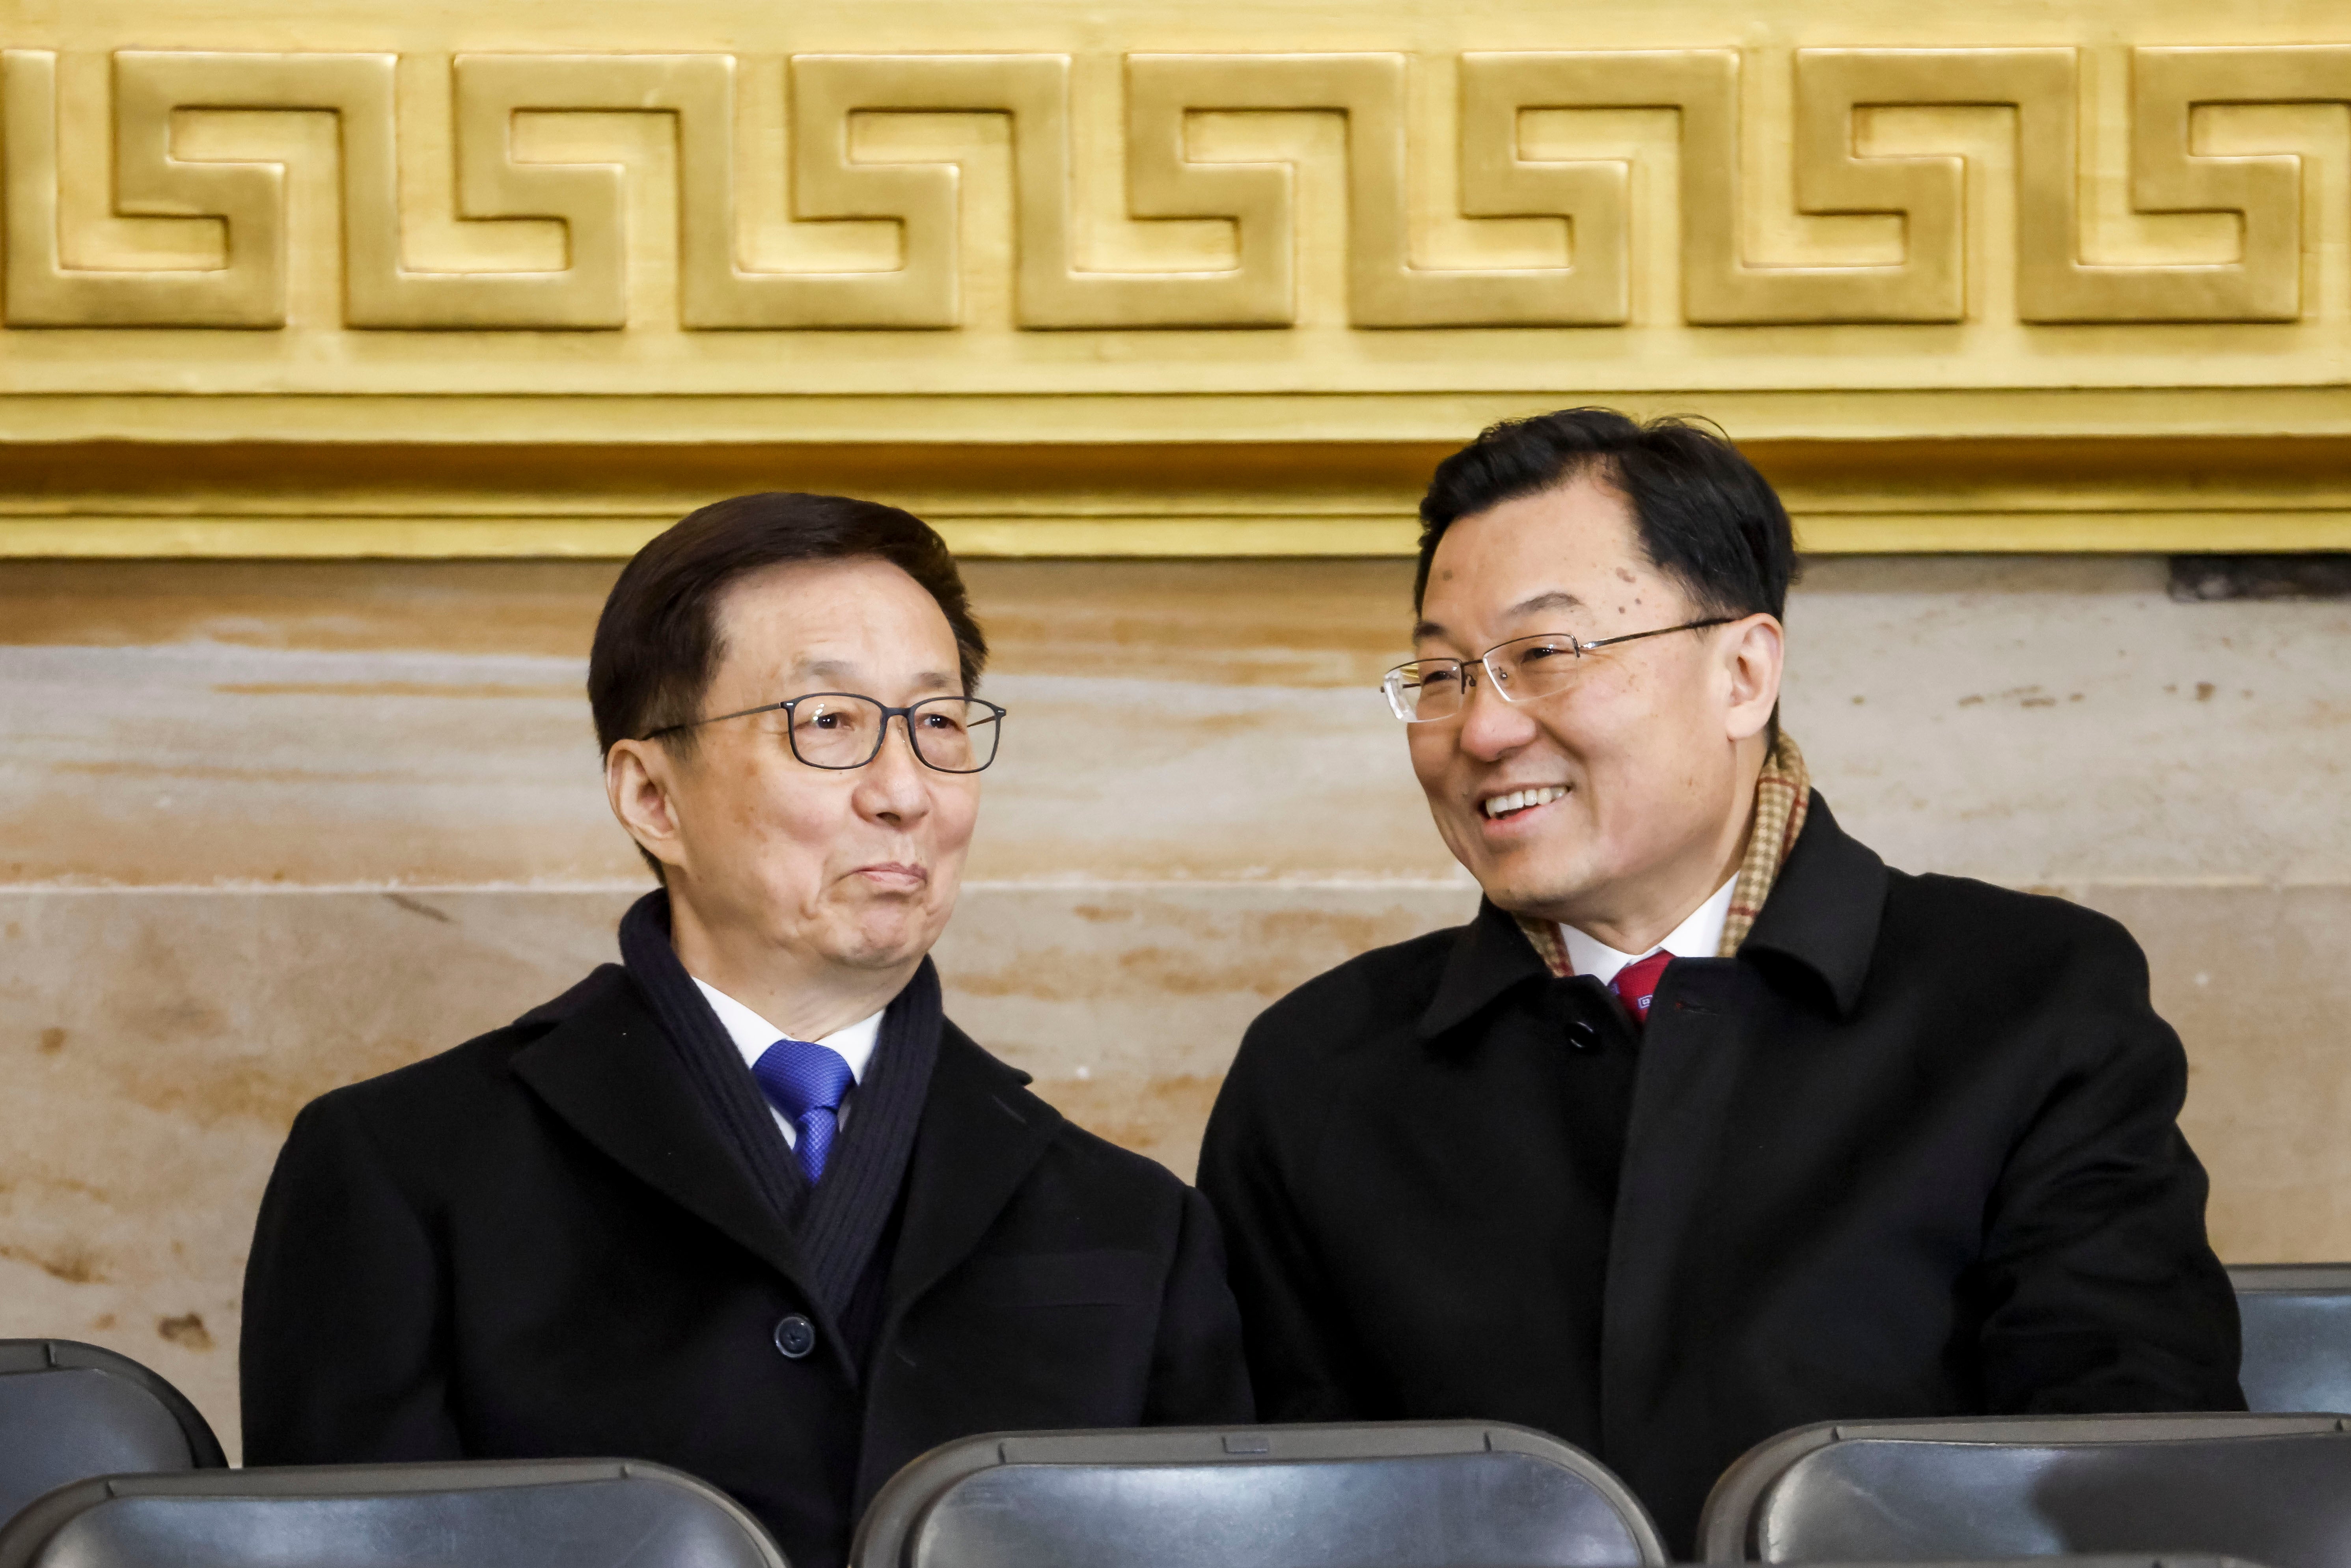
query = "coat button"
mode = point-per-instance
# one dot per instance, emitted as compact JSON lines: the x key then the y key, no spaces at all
{"x":1583,"y":1036}
{"x":794,"y":1337}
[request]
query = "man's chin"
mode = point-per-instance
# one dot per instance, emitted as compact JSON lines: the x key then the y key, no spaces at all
{"x":1522,"y":884}
{"x":876,"y":928}
{"x":884,"y":944}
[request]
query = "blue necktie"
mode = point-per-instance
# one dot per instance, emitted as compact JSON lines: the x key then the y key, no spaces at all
{"x":806,"y":1083}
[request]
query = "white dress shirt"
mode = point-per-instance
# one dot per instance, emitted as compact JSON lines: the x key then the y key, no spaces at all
{"x":753,"y":1034}
{"x":1700,"y":936}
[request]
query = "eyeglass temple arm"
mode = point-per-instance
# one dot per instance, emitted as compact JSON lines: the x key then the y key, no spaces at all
{"x":716,"y":718}
{"x":1662,"y":630}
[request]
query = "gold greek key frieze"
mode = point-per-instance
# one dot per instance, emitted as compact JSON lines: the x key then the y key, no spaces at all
{"x":1724,"y":279}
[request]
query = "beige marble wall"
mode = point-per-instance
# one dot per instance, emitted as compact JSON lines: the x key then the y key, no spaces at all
{"x":269,"y":828}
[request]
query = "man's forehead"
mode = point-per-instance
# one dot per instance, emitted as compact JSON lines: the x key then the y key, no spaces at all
{"x":837,"y":638}
{"x":1569,"y":552}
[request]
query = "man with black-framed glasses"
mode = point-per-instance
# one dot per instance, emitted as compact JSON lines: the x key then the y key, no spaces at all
{"x":746,"y":1203}
{"x":1709,"y":1125}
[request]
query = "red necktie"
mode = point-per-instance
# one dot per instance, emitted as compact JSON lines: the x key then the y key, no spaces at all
{"x":1635,"y":985}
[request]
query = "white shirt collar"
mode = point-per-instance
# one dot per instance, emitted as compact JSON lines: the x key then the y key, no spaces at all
{"x":753,"y":1034}
{"x":1700,"y":936}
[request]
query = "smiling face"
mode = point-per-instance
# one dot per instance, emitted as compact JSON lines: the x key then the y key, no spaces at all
{"x":787,"y":879}
{"x":1619,"y":804}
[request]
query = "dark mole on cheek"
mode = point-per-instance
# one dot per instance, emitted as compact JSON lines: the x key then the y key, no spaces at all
{"x":1624,"y":574}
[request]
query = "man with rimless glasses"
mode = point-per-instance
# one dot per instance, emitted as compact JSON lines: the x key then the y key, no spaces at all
{"x":1709,"y":1125}
{"x":746,"y":1203}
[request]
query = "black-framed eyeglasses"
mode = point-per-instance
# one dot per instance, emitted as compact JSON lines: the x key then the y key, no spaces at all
{"x":1522,"y":669}
{"x":840,"y":730}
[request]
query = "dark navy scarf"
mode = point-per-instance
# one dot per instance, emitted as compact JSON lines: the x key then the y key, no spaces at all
{"x":839,"y":1222}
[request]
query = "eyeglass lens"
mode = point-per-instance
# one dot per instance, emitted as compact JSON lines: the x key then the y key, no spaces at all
{"x":834,"y":729}
{"x":1529,"y":668}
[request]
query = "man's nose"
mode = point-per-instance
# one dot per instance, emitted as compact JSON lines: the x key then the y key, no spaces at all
{"x":895,"y":784}
{"x":1491,"y":728}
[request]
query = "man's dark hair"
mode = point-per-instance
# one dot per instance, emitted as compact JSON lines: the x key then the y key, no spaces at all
{"x":1705,"y":518}
{"x":658,"y":643}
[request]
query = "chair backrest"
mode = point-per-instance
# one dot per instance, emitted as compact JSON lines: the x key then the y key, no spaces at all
{"x":2297,"y":1320}
{"x":481,"y":1513}
{"x":2270,"y":1488}
{"x":68,"y":1411}
{"x":2104,"y":1560}
{"x":1394,"y":1495}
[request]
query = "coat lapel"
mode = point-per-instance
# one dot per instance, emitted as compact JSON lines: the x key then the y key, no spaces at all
{"x":981,"y":1133}
{"x":608,"y":1071}
{"x":1821,"y":922}
{"x":1692,"y":1056}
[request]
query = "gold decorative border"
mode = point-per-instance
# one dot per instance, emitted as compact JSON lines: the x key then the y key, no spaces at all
{"x":122,"y":498}
{"x":447,"y":150}
{"x":1224,"y":280}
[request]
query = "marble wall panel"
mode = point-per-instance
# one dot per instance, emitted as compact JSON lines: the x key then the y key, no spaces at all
{"x":2254,"y":982}
{"x":2024,"y":721}
{"x":382,"y":725}
{"x":2030,"y":720}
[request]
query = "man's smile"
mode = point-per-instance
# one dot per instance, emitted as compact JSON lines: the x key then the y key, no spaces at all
{"x":1516,"y":802}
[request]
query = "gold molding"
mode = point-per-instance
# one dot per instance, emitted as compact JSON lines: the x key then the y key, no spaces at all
{"x":298,"y":499}
{"x":1833,"y":103}
{"x":1249,"y":228}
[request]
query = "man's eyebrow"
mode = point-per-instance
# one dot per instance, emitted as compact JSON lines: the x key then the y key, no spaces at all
{"x":837,"y":670}
{"x":1556,"y":599}
{"x":1552,"y":599}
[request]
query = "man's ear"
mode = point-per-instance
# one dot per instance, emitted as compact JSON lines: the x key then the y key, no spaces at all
{"x":1753,"y":654}
{"x":638,"y":779}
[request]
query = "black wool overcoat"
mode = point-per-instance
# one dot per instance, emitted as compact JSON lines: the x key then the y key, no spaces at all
{"x":538,"y":1245}
{"x":1912,"y":1152}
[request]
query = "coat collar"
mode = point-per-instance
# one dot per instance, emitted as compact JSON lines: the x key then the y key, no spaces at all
{"x":1822,"y":916}
{"x":1825,"y":909}
{"x":1490,"y":957}
{"x":607,"y":1070}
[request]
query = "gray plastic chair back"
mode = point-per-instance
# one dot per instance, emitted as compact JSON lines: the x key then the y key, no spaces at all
{"x":2124,"y":1559}
{"x":484,"y":1513}
{"x":1395,"y":1495}
{"x":68,"y":1411}
{"x":2269,"y":1489}
{"x":2297,"y":1322}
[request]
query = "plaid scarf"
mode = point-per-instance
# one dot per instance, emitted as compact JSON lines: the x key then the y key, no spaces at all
{"x":1782,"y":790}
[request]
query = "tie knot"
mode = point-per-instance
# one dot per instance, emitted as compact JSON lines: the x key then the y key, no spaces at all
{"x":1636,"y":984}
{"x":799,"y":1076}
